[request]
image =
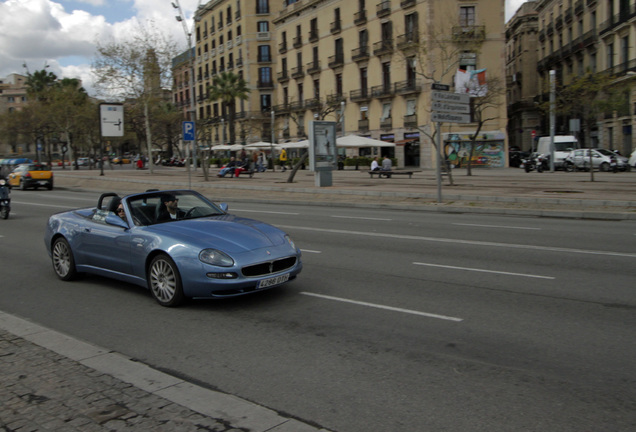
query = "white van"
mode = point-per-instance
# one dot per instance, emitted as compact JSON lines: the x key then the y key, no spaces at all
{"x":563,"y":145}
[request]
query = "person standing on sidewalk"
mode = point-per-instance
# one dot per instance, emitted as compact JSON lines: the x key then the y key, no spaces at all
{"x":283,"y":159}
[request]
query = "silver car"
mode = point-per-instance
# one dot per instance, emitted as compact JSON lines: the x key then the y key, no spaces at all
{"x":601,"y":159}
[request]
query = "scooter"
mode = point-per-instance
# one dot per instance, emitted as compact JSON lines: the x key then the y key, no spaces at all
{"x":5,"y":201}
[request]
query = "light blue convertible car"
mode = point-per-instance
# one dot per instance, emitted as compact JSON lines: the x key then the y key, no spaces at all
{"x":176,"y":242}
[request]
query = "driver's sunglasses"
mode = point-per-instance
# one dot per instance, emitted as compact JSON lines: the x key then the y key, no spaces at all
{"x":120,"y":210}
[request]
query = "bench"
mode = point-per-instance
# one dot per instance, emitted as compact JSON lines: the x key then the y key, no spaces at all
{"x":388,"y":174}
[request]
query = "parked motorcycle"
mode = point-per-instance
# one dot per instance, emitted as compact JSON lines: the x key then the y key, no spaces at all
{"x":537,"y":161}
{"x":5,"y":201}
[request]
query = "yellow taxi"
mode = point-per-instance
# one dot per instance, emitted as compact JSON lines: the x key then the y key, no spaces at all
{"x":121,"y":160}
{"x":31,"y":175}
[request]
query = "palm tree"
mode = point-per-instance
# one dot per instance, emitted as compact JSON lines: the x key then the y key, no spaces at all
{"x":228,"y":87}
{"x":39,"y":82}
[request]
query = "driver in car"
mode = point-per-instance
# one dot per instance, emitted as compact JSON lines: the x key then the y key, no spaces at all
{"x":170,"y":209}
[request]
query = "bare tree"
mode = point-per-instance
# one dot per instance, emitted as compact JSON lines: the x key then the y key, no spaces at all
{"x":136,"y":70}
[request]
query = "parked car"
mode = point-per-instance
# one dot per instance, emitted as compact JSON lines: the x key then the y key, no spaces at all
{"x":203,"y":252}
{"x":31,"y":175}
{"x":601,"y":159}
{"x":83,"y":161}
{"x":632,"y":159}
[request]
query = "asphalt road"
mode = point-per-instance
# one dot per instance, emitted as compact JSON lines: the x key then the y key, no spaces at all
{"x":400,"y":320}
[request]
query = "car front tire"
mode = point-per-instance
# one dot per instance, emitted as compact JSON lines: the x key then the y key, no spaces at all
{"x":164,"y":281}
{"x":604,"y":167}
{"x":63,"y":261}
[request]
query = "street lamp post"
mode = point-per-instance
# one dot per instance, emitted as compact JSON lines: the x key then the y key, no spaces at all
{"x":271,"y":145}
{"x":191,"y":85}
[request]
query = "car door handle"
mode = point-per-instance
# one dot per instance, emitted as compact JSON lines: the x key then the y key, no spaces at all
{"x":87,"y":230}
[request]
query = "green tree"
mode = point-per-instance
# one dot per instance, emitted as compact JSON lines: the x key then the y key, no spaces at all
{"x":228,"y":87}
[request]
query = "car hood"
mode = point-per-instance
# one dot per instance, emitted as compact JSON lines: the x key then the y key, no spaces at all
{"x":226,"y":232}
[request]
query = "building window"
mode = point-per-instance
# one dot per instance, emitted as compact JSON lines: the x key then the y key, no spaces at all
{"x":262,"y":26}
{"x":467,"y":16}
{"x":386,"y":111}
{"x":262,"y":6}
{"x":264,"y":53}
{"x":266,"y":102}
{"x":339,"y":88}
{"x":317,"y":89}
{"x":610,"y":56}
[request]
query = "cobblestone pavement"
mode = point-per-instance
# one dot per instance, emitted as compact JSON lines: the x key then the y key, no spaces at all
{"x":51,"y":382}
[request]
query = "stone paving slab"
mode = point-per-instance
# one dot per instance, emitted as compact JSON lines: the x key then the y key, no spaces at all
{"x":52,"y":382}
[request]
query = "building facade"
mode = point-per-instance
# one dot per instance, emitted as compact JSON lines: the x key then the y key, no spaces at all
{"x":579,"y":36}
{"x":522,"y":84}
{"x":367,"y":65}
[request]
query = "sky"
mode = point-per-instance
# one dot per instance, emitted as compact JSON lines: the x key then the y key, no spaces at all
{"x":63,"y":34}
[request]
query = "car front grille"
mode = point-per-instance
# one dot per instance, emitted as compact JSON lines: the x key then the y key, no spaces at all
{"x":269,"y":267}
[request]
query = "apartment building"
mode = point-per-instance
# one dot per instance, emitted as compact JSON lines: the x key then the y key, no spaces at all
{"x":237,"y":36}
{"x":181,"y":85}
{"x":369,"y":64}
{"x":13,"y":93}
{"x":576,"y":36}
{"x":522,"y":85}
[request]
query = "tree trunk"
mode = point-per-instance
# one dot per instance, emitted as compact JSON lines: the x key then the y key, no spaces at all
{"x":300,"y":163}
{"x":148,"y":135}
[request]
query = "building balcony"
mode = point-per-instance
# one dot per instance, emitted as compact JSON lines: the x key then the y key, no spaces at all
{"x":297,"y":42}
{"x":363,"y":125}
{"x":386,"y":123}
{"x":408,"y":40}
{"x":558,"y":23}
{"x":408,"y":87}
{"x":297,"y":72}
{"x":296,"y":106}
{"x":266,"y":59}
{"x":313,"y":36}
{"x":578,"y":7}
{"x":265,"y":84}
{"x":313,"y":67}
{"x":282,"y":47}
{"x":383,"y":9}
{"x":239,"y":62}
{"x":407,"y":3}
{"x":284,"y":108}
{"x":360,"y":95}
{"x":336,"y":61}
{"x":282,"y":76}
{"x":469,"y":33}
{"x":360,"y":54}
{"x":335,"y":27}
{"x":567,"y":16}
{"x":335,"y":98}
{"x":360,"y":17}
{"x":383,"y":47}
{"x":312,"y":104}
{"x":382,"y":91}
{"x":410,"y":121}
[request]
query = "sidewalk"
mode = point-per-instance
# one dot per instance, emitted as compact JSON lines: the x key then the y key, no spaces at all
{"x":51,"y":382}
{"x":497,"y":191}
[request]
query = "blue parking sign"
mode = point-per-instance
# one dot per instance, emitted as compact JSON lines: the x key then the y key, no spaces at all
{"x":188,"y":131}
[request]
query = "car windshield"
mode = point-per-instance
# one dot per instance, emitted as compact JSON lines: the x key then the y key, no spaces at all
{"x":564,"y":146}
{"x":169,"y":206}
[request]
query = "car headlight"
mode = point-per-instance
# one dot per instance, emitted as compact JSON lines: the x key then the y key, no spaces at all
{"x":290,"y":241}
{"x":216,"y":257}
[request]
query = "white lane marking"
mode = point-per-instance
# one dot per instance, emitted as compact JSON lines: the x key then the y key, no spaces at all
{"x":498,"y":226}
{"x":310,"y":251}
{"x":40,"y":205}
{"x":68,"y":197}
{"x":465,"y":242}
{"x":482,"y":270}
{"x":264,"y":211}
{"x":390,"y":308}
{"x":360,"y":217}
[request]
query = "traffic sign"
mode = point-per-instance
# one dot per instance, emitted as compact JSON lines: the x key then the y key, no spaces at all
{"x":443,"y":117}
{"x":188,"y":131}
{"x":450,"y":107}
{"x":441,"y":96}
{"x":111,"y":118}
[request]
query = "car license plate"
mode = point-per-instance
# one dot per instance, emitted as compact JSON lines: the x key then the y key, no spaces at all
{"x":43,"y":182}
{"x":273,"y":281}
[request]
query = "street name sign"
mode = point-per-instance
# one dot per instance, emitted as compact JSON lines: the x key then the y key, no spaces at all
{"x":438,"y":86}
{"x":442,"y":96}
{"x":450,"y":107}
{"x":444,"y":117}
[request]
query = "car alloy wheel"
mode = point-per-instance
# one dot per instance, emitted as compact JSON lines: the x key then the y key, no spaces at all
{"x":63,"y":262}
{"x":164,"y":281}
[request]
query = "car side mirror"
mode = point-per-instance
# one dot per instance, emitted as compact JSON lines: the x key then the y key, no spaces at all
{"x":224,"y":207}
{"x":113,"y":219}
